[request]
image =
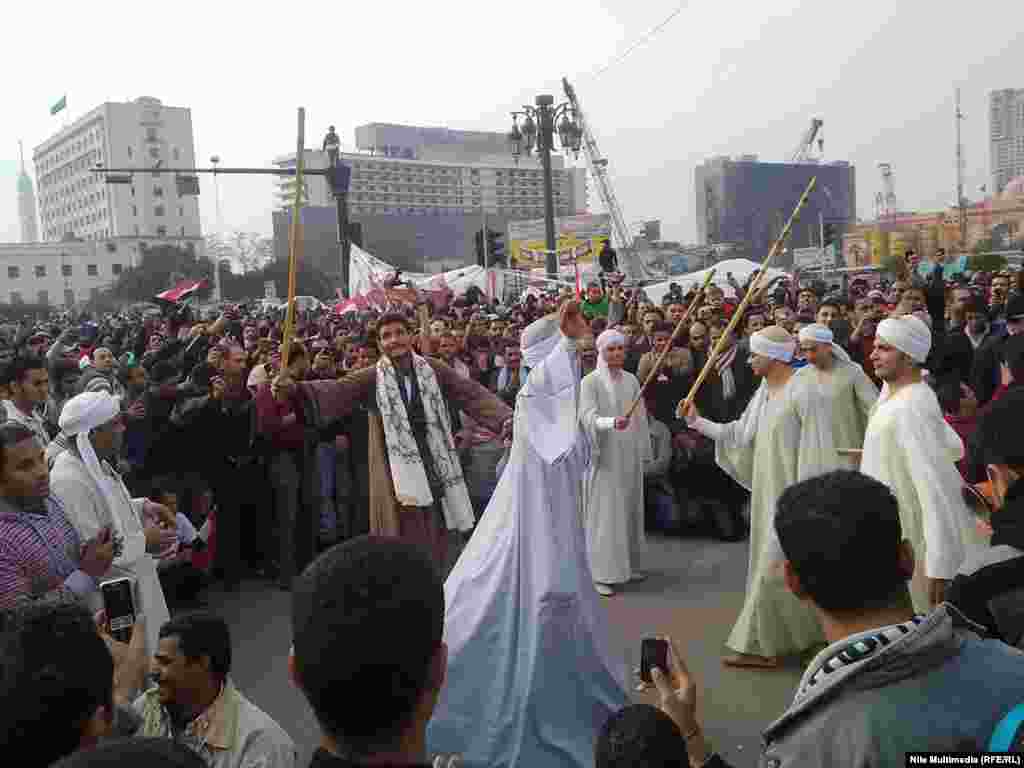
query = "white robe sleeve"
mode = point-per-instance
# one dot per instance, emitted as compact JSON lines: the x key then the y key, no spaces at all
{"x":936,"y":483}
{"x":866,"y":394}
{"x":734,"y":445}
{"x":546,"y":404}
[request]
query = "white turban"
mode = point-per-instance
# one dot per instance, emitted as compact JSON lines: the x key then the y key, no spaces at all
{"x":609,"y":337}
{"x":605,"y":340}
{"x":777,"y":350}
{"x":816,"y":333}
{"x":908,"y":334}
{"x":539,"y":340}
{"x":80,"y":416}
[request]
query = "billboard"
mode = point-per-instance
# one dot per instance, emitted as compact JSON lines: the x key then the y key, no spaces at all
{"x":814,"y":258}
{"x":526,"y":240}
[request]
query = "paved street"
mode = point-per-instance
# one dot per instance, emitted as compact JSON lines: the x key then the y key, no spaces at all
{"x":694,"y":593}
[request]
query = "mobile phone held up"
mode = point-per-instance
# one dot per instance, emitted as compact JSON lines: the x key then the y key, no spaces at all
{"x":119,"y":605}
{"x":653,"y":653}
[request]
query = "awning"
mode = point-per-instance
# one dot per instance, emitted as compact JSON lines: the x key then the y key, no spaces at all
{"x":181,"y":291}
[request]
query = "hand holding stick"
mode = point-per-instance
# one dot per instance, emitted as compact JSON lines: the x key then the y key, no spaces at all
{"x":751,"y":292}
{"x":671,"y":343}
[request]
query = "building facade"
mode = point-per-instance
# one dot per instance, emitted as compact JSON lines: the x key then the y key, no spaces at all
{"x":142,"y":134}
{"x":423,"y":210}
{"x":60,"y":274}
{"x":747,"y":203}
{"x":1006,"y":137}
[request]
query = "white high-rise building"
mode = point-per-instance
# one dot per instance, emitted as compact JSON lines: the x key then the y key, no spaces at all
{"x":142,"y":134}
{"x":26,"y":203}
{"x":1006,"y":129}
{"x":395,"y":185}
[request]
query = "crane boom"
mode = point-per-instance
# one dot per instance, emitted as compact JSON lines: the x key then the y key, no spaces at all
{"x":599,"y":170}
{"x":803,"y":151}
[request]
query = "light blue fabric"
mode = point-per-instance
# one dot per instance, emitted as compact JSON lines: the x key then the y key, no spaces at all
{"x":531,"y":679}
{"x":1002,"y":737}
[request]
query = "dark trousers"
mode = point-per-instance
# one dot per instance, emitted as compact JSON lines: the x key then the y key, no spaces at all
{"x":243,"y":516}
{"x":296,"y":513}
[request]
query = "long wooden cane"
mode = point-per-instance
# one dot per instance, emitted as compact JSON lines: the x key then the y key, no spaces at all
{"x":675,"y":334}
{"x":752,"y":290}
{"x":294,"y":243}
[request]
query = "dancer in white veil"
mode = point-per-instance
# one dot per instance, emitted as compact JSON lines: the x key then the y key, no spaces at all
{"x":530,"y":676}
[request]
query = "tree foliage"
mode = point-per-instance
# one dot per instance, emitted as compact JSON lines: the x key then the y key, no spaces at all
{"x":160,"y":267}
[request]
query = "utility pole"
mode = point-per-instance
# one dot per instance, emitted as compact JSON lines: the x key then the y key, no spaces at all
{"x":960,"y":201}
{"x":821,"y":233}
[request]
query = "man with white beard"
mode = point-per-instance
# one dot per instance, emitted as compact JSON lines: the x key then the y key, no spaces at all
{"x":614,"y":508}
{"x":846,"y":391}
{"x":910,"y":447}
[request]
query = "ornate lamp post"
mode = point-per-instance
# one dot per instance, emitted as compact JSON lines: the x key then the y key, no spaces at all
{"x":538,"y":133}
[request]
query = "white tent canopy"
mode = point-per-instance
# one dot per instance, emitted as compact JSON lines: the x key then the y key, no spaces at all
{"x":365,"y":269}
{"x":741,"y":269}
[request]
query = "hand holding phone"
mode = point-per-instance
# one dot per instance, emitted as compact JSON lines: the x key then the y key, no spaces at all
{"x":119,"y":606}
{"x":653,"y":654}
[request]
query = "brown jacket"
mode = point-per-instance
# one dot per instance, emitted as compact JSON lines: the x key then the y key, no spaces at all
{"x":326,"y":402}
{"x":679,"y":360}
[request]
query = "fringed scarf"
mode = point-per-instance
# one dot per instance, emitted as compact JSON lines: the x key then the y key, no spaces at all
{"x":409,"y":474}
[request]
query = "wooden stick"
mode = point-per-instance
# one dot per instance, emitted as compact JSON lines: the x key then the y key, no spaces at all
{"x":752,"y":290}
{"x":295,"y":241}
{"x":671,"y":342}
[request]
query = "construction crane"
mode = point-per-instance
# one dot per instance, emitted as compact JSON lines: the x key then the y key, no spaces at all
{"x":804,"y":151}
{"x":599,"y":170}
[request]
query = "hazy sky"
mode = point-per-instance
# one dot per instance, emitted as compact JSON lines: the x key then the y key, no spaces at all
{"x":724,"y":77}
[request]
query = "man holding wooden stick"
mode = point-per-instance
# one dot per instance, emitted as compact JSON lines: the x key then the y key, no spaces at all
{"x":780,"y":439}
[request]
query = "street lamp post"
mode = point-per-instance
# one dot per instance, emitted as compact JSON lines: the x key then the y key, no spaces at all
{"x":538,"y":132}
{"x":217,"y":296}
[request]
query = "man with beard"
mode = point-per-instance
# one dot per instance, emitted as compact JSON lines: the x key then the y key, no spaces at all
{"x":416,"y":485}
{"x":674,"y":377}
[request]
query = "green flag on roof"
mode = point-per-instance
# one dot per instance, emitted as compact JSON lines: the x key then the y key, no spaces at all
{"x":61,"y":104}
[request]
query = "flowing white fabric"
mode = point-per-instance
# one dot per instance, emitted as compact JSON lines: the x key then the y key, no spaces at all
{"x":539,"y":339}
{"x":520,"y":603}
{"x":79,"y":417}
{"x":821,"y":334}
{"x":94,"y":497}
{"x":908,"y":334}
{"x":614,"y":489}
{"x":776,"y":350}
{"x":910,"y":447}
{"x":412,"y":488}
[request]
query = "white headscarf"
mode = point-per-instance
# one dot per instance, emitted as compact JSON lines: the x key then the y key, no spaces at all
{"x":539,"y":340}
{"x":760,"y":344}
{"x":908,"y":334}
{"x":81,"y":415}
{"x":822,"y":334}
{"x":605,"y":340}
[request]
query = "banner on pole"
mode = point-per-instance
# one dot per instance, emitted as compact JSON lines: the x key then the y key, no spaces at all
{"x":526,"y":239}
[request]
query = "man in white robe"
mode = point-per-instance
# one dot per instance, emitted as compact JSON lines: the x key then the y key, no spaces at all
{"x":613,"y":516}
{"x":782,"y":437}
{"x":94,"y":498}
{"x":845,"y":390}
{"x":910,"y":447}
{"x":530,"y":677}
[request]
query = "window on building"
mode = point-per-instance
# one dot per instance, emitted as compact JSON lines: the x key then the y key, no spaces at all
{"x":176,"y":154}
{"x":69,"y":298}
{"x":181,"y":210}
{"x":65,"y":270}
{"x":182,"y":228}
{"x":92,"y":270}
{"x":130,"y":153}
{"x":161,"y":231}
{"x":115,"y":269}
{"x":15,"y":297}
{"x":94,"y":293}
{"x":150,"y":133}
{"x":154,"y":152}
{"x":40,"y":270}
{"x":158,"y":210}
{"x":43,"y":298}
{"x":158,"y":191}
{"x":13,"y":273}
{"x":135,"y":210}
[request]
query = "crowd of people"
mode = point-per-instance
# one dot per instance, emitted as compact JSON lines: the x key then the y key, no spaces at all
{"x":401,"y":472}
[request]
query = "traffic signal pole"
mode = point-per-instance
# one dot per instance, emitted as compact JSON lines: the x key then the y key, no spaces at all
{"x":821,"y":230}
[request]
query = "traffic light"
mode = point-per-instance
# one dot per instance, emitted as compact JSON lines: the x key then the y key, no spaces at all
{"x":496,"y":248}
{"x":479,"y":248}
{"x":828,"y":235}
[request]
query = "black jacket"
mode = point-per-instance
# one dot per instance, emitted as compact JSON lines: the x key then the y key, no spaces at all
{"x":985,"y":370}
{"x":989,"y":589}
